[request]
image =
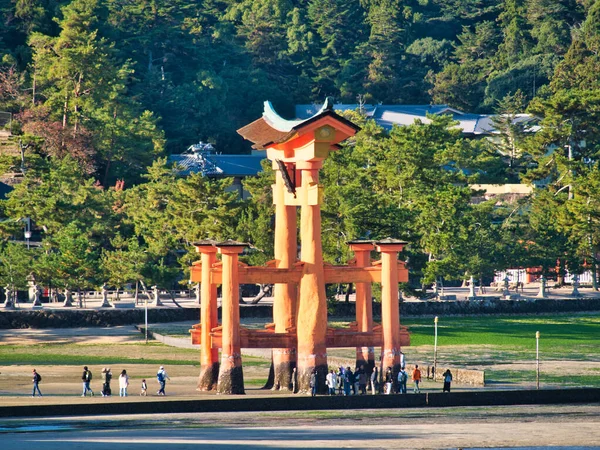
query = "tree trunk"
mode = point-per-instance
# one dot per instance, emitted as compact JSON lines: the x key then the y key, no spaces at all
{"x":76,"y":109}
{"x":137,"y":291}
{"x":34,"y":85}
{"x":264,"y":290}
{"x":146,"y":291}
{"x":65,"y":112}
{"x":172,"y":295}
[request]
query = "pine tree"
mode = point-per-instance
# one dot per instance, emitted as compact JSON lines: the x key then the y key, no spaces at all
{"x":338,"y":26}
{"x":517,"y":39}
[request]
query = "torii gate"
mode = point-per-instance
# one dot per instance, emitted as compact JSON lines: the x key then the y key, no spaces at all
{"x":299,"y":335}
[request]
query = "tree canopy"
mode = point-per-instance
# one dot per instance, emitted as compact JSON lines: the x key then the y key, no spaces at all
{"x":101,"y":91}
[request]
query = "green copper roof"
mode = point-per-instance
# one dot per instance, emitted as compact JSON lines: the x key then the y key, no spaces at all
{"x":280,"y":124}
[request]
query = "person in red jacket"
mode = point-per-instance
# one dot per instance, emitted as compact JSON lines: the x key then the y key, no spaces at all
{"x":416,"y":376}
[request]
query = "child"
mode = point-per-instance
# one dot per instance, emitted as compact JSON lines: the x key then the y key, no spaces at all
{"x":144,"y":388}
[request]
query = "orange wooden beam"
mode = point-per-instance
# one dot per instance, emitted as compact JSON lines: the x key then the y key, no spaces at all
{"x":335,"y":337}
{"x":273,"y":275}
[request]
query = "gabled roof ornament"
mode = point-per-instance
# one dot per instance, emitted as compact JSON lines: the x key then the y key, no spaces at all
{"x":272,"y":129}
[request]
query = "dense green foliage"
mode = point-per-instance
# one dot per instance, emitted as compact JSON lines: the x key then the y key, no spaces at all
{"x":116,"y":78}
{"x":101,"y":90}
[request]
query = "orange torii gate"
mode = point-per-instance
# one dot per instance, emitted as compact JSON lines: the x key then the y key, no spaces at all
{"x":299,"y":335}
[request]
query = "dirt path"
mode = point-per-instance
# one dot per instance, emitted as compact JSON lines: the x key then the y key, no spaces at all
{"x":118,"y":334}
{"x":526,"y":426}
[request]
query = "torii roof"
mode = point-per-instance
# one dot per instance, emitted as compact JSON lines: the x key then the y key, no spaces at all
{"x":271,"y":128}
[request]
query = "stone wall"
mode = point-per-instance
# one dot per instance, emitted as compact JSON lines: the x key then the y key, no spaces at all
{"x":69,"y":318}
{"x":459,"y":376}
{"x":488,"y":306}
{"x":66,"y":318}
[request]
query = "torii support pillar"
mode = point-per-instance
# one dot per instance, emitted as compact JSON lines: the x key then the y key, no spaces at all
{"x":365,"y":356}
{"x":285,"y":295}
{"x":312,"y":304}
{"x":231,"y":377}
{"x":390,"y":308}
{"x":209,"y":357}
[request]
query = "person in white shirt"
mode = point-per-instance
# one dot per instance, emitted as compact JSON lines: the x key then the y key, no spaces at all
{"x":162,"y":378}
{"x":331,"y":381}
{"x":123,"y":383}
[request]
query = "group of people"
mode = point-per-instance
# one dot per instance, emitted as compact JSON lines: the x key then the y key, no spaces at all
{"x":87,"y":376}
{"x":346,"y":382}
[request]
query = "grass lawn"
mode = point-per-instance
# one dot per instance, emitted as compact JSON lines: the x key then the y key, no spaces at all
{"x":503,"y":346}
{"x":492,"y":343}
{"x":576,"y":336}
{"x":106,"y":354}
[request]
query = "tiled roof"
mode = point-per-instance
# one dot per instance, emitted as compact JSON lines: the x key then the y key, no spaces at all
{"x":212,"y":165}
{"x":389,"y":115}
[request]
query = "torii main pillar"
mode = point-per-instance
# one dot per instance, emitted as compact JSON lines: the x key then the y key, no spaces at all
{"x":285,"y":294}
{"x":312,"y":304}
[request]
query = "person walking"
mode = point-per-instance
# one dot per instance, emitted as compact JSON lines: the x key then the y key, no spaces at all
{"x":123,"y":383}
{"x":36,"y":381}
{"x":402,"y":379}
{"x":313,"y":384}
{"x":108,"y":391}
{"x":86,"y":378}
{"x":355,"y":381}
{"x":362,"y":380}
{"x":144,"y":391}
{"x":162,"y":377}
{"x":447,"y":380}
{"x":388,"y":381}
{"x":416,"y":377}
{"x":106,"y":377}
{"x":374,"y":378}
{"x":331,"y":381}
{"x":348,"y":380}
{"x":340,"y":381}
{"x":103,"y":375}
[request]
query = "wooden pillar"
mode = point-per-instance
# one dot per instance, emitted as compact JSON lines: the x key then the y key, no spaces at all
{"x":312,"y":304}
{"x":231,"y":377}
{"x":285,"y":295}
{"x":209,"y":357}
{"x":390,"y":307}
{"x":365,"y":356}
